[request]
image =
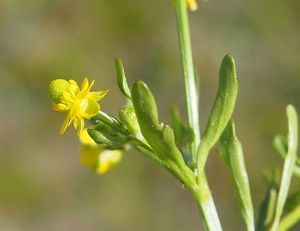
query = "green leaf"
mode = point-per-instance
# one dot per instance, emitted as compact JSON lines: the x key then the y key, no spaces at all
{"x":160,"y":137}
{"x":145,"y":106}
{"x":232,"y":153}
{"x":127,"y":116}
{"x":292,"y":201}
{"x":121,"y":78}
{"x":222,"y":109}
{"x":281,"y":146}
{"x":267,"y":209}
{"x":147,"y":115}
{"x":290,"y":219}
{"x":289,"y":164}
{"x":183,"y":134}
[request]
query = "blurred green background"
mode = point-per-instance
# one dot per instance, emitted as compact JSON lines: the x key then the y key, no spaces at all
{"x":42,"y":185}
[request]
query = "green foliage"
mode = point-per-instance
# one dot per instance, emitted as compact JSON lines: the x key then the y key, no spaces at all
{"x":267,"y":207}
{"x":160,"y":137}
{"x":180,"y":150}
{"x":183,"y":135}
{"x":222,"y":109}
{"x":232,"y":153}
{"x":289,"y":164}
{"x":281,"y":146}
{"x":121,"y":78}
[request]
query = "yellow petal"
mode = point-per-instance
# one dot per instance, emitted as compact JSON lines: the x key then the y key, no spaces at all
{"x":108,"y":159}
{"x":89,"y":108}
{"x":80,"y":126}
{"x":192,"y":5}
{"x":89,"y":158}
{"x":85,"y":84}
{"x":59,"y":107}
{"x":86,"y":89}
{"x":97,"y":95}
{"x":85,"y":138}
{"x":65,"y":124}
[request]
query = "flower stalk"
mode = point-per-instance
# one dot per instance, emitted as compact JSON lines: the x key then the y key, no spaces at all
{"x":188,"y":74}
{"x":202,"y":192}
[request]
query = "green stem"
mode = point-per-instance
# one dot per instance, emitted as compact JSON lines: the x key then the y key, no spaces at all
{"x":206,"y":205}
{"x":201,"y":192}
{"x":189,"y":75}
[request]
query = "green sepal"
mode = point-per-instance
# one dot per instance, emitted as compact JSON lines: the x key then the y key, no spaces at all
{"x":232,"y":153}
{"x":222,"y":109}
{"x":121,"y":78}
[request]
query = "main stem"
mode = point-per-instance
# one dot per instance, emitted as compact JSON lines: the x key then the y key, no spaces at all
{"x":201,"y":192}
{"x":206,"y":205}
{"x":189,"y":75}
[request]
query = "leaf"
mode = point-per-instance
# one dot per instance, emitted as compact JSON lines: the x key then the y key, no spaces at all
{"x":183,"y":134}
{"x":160,"y":137}
{"x":289,"y":164}
{"x":290,"y":219}
{"x":232,"y":153}
{"x":145,"y":106}
{"x":281,"y":146}
{"x":121,"y":78}
{"x":267,"y":209}
{"x":147,"y":116}
{"x":292,"y":201}
{"x":127,"y":116}
{"x":222,"y":109}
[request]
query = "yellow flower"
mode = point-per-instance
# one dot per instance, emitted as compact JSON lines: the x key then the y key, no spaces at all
{"x":79,"y":103}
{"x":96,"y":157}
{"x":192,"y":4}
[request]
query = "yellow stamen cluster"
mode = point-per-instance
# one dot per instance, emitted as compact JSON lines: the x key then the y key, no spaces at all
{"x":79,"y":103}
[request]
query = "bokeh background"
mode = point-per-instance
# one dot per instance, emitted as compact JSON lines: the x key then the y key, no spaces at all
{"x":42,"y":185}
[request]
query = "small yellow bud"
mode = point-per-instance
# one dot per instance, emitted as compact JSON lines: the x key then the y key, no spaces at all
{"x":192,"y":5}
{"x":56,"y":88}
